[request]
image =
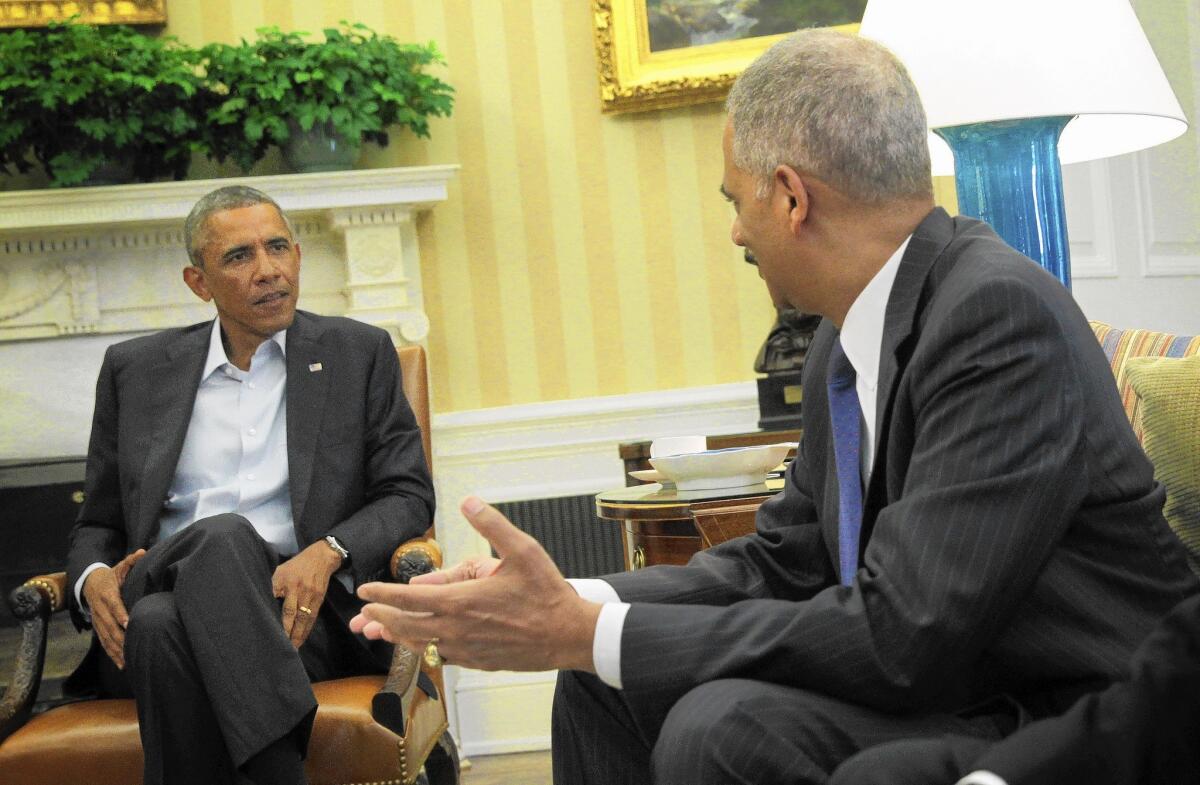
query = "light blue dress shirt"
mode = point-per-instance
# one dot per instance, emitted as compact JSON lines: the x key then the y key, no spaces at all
{"x":234,"y":458}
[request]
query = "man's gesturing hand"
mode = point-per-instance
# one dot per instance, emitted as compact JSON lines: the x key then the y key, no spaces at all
{"x":515,"y":613}
{"x":302,"y":582}
{"x":102,"y":592}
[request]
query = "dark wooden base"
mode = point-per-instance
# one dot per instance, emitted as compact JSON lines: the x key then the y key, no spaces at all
{"x":779,"y":401}
{"x":660,"y":542}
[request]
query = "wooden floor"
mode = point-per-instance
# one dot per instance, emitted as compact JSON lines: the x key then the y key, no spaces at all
{"x":521,"y":768}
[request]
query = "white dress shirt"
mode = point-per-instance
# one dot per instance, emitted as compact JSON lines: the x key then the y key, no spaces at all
{"x":862,"y":339}
{"x":234,"y":457}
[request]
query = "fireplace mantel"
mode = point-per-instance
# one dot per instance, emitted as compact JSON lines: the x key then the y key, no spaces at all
{"x":84,"y":261}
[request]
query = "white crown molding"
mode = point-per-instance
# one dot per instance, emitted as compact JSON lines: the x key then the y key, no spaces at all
{"x":415,"y":188}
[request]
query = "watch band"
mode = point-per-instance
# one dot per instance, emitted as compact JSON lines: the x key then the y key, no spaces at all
{"x":333,"y":543}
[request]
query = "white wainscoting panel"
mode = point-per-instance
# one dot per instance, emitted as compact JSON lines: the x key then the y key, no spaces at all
{"x":1089,"y":220}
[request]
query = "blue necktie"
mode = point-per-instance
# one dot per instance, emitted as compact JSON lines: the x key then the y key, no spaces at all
{"x":845,"y":417}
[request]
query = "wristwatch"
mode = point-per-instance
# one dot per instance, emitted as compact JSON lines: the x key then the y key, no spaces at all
{"x":333,"y":543}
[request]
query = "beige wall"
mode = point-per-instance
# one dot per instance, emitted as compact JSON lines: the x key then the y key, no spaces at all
{"x":578,"y":254}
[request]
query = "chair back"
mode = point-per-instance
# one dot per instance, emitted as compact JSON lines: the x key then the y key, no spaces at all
{"x":415,"y":379}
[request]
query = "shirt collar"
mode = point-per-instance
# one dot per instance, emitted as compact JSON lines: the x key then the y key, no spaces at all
{"x":862,"y":330}
{"x":216,"y":349}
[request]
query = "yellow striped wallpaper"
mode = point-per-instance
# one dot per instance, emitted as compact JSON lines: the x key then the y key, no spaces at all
{"x":578,"y":254}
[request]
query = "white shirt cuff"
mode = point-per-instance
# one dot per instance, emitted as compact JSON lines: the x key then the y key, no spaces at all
{"x":87,"y":614}
{"x":981,"y":778}
{"x":606,"y":640}
{"x":594,"y":589}
{"x":606,"y":643}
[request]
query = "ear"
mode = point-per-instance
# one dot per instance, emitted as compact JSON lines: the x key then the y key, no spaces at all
{"x":793,"y":195}
{"x":193,"y":276}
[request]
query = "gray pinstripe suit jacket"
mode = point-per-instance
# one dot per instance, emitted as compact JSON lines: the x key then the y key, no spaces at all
{"x":1013,"y":539}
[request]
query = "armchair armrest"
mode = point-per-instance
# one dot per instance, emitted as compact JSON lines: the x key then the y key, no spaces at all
{"x":415,"y":557}
{"x":391,"y":705}
{"x":32,"y":603}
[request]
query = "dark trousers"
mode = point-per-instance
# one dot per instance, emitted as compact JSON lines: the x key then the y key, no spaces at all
{"x":726,"y":732}
{"x":214,"y":676}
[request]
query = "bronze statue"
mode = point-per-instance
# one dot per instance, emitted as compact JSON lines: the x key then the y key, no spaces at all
{"x":787,"y":343}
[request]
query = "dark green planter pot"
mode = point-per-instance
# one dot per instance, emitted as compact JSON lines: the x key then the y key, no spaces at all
{"x":319,"y":149}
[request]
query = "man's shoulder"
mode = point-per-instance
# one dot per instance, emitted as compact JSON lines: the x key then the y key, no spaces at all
{"x":340,"y":328}
{"x":154,"y":344}
{"x":977,"y":265}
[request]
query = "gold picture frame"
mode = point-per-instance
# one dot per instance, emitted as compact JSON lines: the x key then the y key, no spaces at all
{"x":633,"y":78}
{"x":39,"y":13}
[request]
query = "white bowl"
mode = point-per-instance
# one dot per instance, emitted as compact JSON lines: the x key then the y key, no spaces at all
{"x":736,"y":467}
{"x":677,"y":445}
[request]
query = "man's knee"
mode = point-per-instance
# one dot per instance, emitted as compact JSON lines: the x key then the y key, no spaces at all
{"x":226,"y":526}
{"x":721,"y":732}
{"x":700,"y":731}
{"x":153,"y":623}
{"x":227,"y":532}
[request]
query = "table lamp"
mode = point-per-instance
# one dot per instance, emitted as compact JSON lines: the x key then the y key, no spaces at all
{"x":1015,"y":86}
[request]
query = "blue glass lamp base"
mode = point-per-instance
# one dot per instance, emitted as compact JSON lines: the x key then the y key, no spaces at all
{"x":1007,"y":173}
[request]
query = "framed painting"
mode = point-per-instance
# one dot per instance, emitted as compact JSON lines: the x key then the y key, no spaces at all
{"x":39,"y":13}
{"x":655,"y":54}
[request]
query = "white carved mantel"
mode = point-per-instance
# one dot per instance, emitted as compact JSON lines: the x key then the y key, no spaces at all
{"x":88,"y":266}
{"x":60,"y":248}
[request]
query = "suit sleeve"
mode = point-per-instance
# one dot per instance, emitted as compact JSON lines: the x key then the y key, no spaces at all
{"x":99,"y":531}
{"x":1141,"y":730}
{"x":398,"y":490}
{"x":986,"y":495}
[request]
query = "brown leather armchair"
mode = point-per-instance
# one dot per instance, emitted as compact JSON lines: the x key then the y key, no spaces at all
{"x":369,"y":729}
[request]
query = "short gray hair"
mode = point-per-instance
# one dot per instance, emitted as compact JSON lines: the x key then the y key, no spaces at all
{"x":230,"y":197}
{"x":838,"y":106}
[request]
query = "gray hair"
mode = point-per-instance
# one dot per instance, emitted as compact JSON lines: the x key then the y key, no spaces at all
{"x":229,"y":197}
{"x":838,"y":106}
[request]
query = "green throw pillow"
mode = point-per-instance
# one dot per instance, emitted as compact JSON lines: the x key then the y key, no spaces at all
{"x":1170,"y":392}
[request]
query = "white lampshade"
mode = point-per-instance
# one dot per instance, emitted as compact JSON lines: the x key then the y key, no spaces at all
{"x":984,"y":60}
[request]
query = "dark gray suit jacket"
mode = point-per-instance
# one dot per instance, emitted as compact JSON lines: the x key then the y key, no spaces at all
{"x":1013,"y":540}
{"x":356,"y":465}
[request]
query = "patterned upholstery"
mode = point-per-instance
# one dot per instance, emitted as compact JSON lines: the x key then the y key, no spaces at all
{"x":1161,"y":416}
{"x":1169,"y":391}
{"x":1120,"y":345}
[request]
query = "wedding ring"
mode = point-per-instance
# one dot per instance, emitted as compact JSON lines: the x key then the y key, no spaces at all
{"x":305,"y":609}
{"x":432,"y":658}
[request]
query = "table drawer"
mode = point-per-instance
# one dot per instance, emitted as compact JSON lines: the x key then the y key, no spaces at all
{"x":660,"y":542}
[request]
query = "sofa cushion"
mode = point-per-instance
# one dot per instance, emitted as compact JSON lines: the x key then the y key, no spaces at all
{"x":1169,"y":392}
{"x":1120,"y":345}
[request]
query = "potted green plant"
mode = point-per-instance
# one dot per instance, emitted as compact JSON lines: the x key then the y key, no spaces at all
{"x":88,"y":102}
{"x":326,"y":96}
